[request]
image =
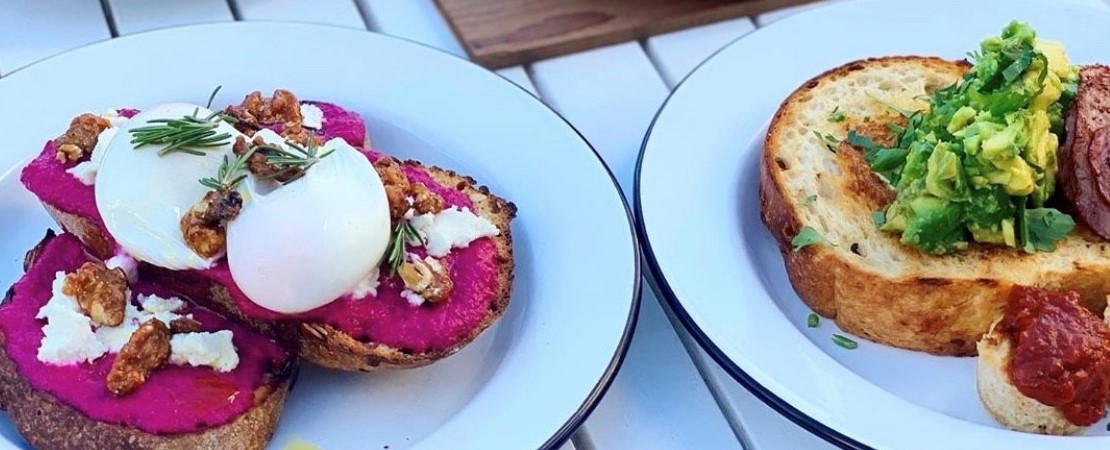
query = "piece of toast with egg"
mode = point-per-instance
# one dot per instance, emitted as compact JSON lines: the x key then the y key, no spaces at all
{"x":819,"y":196}
{"x":352,"y":258}
{"x":83,"y":367}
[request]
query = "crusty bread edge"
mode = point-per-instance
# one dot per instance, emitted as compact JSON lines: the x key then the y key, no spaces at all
{"x":860,"y":301}
{"x":46,"y":422}
{"x":1002,"y":399}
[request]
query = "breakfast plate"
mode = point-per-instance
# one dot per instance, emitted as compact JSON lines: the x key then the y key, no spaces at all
{"x":528,"y":380}
{"x":698,"y":201}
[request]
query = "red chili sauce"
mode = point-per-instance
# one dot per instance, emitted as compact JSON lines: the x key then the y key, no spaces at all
{"x":1060,"y":354}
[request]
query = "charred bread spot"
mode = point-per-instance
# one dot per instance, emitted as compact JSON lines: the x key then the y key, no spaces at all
{"x":782,"y":164}
{"x":987,"y":282}
{"x":932,"y":282}
{"x":34,"y":252}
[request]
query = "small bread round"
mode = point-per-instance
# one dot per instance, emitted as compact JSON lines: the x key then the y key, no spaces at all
{"x":1003,"y":401}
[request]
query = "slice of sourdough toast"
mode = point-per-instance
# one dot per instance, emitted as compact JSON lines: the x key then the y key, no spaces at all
{"x":48,"y":422}
{"x":326,"y":345}
{"x":872,"y":285}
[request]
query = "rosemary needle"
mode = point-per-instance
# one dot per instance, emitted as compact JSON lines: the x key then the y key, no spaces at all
{"x":403,"y":233}
{"x":230,"y":173}
{"x":293,"y":162}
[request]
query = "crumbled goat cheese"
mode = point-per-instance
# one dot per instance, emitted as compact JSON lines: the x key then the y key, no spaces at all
{"x":68,"y":334}
{"x":311,"y":116}
{"x":413,"y":298}
{"x":451,"y":228}
{"x":367,"y":286}
{"x":125,"y":262}
{"x":70,"y":337}
{"x":214,"y":350}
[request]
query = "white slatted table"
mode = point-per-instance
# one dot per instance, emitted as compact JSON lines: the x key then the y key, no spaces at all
{"x":669,"y":394}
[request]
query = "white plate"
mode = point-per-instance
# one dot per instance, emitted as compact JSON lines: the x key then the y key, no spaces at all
{"x":529,"y":381}
{"x":697,"y":201}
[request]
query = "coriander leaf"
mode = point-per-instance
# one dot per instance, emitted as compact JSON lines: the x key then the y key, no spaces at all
{"x":813,"y":320}
{"x":844,"y":342}
{"x":858,"y":140}
{"x":887,"y":159}
{"x":836,"y":116}
{"x":1042,"y":227}
{"x":1018,"y":66}
{"x":828,"y":140}
{"x":808,"y":236}
{"x":809,"y":200}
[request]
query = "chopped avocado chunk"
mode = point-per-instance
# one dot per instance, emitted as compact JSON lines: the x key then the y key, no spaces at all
{"x":966,"y":168}
{"x":806,"y":237}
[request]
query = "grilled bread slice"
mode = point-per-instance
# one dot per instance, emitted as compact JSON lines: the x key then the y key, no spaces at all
{"x":323,"y":344}
{"x":47,"y":422}
{"x":871,"y":284}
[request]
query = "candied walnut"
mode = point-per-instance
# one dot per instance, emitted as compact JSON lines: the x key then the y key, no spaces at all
{"x":146,"y":351}
{"x":204,"y":224}
{"x":427,"y":278}
{"x":260,"y":167}
{"x":403,"y":195}
{"x":424,"y":200}
{"x":185,"y":325}
{"x":80,"y":138}
{"x":256,"y":112}
{"x":100,"y":292}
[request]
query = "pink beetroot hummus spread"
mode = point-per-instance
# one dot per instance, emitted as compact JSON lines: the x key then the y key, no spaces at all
{"x":386,"y":318}
{"x":175,"y":399}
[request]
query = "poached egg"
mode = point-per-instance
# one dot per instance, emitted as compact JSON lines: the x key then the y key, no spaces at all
{"x":292,"y":248}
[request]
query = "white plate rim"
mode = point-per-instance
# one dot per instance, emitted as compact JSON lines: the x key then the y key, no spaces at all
{"x":658,"y":283}
{"x":564,"y":433}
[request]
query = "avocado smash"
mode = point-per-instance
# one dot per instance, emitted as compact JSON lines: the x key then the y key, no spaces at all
{"x":980,"y":163}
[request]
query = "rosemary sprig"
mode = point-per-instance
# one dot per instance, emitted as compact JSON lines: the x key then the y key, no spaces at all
{"x":403,"y":233}
{"x":293,"y":162}
{"x":189,"y":134}
{"x":230,"y":174}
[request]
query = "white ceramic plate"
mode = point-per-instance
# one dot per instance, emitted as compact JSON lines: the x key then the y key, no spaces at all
{"x":526,"y":383}
{"x":697,"y":201}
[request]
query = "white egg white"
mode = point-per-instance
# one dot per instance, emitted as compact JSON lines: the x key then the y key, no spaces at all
{"x":305,"y":244}
{"x":142,"y":196}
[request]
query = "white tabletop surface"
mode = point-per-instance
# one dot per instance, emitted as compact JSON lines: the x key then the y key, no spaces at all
{"x":669,"y":394}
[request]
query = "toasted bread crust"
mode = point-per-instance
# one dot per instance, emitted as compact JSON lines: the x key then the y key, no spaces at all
{"x":918,"y":304}
{"x":329,"y":347}
{"x":46,"y":422}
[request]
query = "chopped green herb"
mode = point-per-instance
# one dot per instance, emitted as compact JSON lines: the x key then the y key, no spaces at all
{"x":879,"y":217}
{"x":189,"y":134}
{"x":1042,"y":227}
{"x":836,"y":116}
{"x":844,"y":342}
{"x":293,"y":163}
{"x":808,"y":236}
{"x":809,"y":200}
{"x":828,"y":140}
{"x":813,"y":320}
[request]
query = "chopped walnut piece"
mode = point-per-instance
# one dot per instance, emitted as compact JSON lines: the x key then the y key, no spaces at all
{"x":147,"y":350}
{"x":80,"y":138}
{"x":100,"y":292}
{"x":427,"y":278}
{"x":204,"y":224}
{"x":260,"y":167}
{"x":403,"y":195}
{"x":257,"y":111}
{"x":185,"y":325}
